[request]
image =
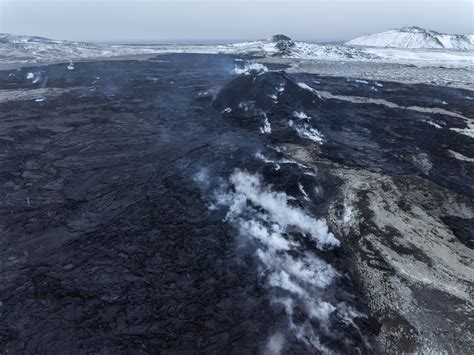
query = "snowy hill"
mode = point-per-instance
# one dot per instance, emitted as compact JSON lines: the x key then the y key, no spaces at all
{"x":283,"y":46}
{"x":28,"y":49}
{"x":31,"y":49}
{"x":415,"y":37}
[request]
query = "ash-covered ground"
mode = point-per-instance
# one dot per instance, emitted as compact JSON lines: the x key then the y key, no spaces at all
{"x":178,"y":205}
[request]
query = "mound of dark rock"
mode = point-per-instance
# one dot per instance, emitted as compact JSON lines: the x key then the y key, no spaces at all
{"x":284,"y":44}
{"x":280,"y":37}
{"x":267,"y":91}
{"x":267,"y":101}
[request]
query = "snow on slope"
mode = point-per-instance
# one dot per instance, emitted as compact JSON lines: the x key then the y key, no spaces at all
{"x":283,"y":46}
{"x":335,"y":52}
{"x":26,"y":50}
{"x":415,"y":37}
{"x":29,"y":49}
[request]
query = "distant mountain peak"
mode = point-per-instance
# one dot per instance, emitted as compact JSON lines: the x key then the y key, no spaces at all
{"x":414,"y":37}
{"x":10,"y":38}
{"x":417,"y":29}
{"x":283,"y":44}
{"x":280,"y":37}
{"x":412,"y":29}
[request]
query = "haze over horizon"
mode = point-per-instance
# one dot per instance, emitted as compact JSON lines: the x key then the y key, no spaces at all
{"x":192,"y":20}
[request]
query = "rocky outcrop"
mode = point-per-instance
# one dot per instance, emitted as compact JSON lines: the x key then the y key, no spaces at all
{"x":284,"y":44}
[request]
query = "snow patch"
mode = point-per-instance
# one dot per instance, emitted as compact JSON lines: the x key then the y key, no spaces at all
{"x":277,"y":163}
{"x":434,"y":124}
{"x":460,"y":156}
{"x":266,"y":127}
{"x":300,"y":115}
{"x":301,"y":187}
{"x":310,"y":89}
{"x":306,"y":131}
{"x":468,"y":131}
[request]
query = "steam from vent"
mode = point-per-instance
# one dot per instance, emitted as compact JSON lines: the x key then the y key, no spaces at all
{"x":249,"y":188}
{"x":275,"y":344}
{"x":249,"y":67}
{"x":295,"y":276}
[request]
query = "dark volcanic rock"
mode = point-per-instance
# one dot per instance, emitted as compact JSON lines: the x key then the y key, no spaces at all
{"x":266,"y":99}
{"x":107,"y":243}
{"x":266,"y":90}
{"x":462,"y":228}
{"x":110,"y":241}
{"x":280,"y":38}
{"x":284,"y":44}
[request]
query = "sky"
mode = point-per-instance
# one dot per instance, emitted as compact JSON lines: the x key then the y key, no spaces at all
{"x":227,"y":20}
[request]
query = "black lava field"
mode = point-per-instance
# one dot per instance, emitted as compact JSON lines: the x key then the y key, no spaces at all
{"x":150,"y":208}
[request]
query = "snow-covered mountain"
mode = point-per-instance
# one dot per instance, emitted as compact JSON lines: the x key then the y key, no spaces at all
{"x":415,"y":37}
{"x":31,"y":49}
{"x":27,"y":50}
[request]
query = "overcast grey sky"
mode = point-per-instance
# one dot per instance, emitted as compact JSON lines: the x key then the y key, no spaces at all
{"x":181,"y":20}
